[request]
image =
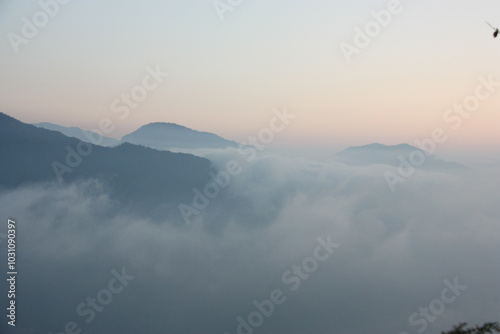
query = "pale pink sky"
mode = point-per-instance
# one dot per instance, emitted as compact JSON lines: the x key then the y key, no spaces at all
{"x":227,"y":76}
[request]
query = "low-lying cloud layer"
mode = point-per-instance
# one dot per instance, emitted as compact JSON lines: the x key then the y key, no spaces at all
{"x":396,"y":252}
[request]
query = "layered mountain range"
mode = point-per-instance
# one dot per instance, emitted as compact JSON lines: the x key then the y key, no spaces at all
{"x":139,"y":171}
{"x":142,"y":178}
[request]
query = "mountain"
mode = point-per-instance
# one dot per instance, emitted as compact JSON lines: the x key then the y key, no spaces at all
{"x":393,"y":155}
{"x":83,"y":135}
{"x":142,"y":179}
{"x":165,"y":136}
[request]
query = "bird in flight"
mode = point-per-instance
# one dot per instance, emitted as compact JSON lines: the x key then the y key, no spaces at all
{"x":495,"y":34}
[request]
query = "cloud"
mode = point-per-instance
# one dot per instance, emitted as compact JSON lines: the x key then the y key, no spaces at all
{"x":396,"y":251}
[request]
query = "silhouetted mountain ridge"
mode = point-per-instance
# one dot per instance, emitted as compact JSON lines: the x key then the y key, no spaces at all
{"x":79,"y":133}
{"x":144,"y":179}
{"x":166,"y":136}
{"x":391,"y":155}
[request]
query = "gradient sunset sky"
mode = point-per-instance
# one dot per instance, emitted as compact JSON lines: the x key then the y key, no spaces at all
{"x":226,"y":76}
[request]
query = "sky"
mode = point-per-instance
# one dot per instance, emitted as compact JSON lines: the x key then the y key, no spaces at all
{"x":227,"y":72}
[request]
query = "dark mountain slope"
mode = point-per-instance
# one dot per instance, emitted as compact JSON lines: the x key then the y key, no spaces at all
{"x":142,"y":179}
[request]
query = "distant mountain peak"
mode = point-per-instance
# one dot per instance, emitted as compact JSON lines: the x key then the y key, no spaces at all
{"x":165,"y":136}
{"x":379,"y":146}
{"x":165,"y":124}
{"x":380,"y":154}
